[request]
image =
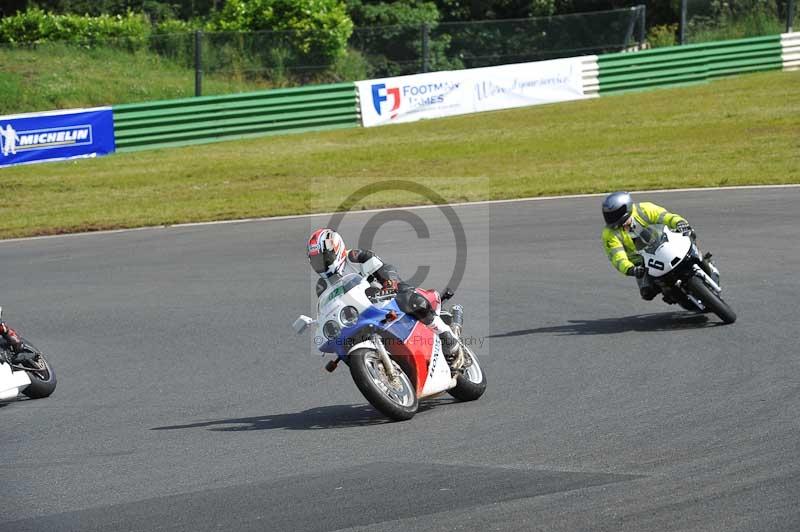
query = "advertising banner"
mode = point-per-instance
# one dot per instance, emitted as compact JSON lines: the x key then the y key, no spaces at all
{"x":56,"y":135}
{"x":448,"y":93}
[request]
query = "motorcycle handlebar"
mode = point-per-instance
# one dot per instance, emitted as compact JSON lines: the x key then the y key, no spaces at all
{"x":376,"y":294}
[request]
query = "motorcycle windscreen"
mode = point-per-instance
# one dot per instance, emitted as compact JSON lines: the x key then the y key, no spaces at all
{"x":665,"y":251}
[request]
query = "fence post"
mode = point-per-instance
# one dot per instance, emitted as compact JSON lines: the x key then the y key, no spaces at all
{"x":629,"y":31}
{"x":425,"y":47}
{"x":683,"y":21}
{"x":198,"y":63}
{"x":789,"y":16}
{"x":642,"y":31}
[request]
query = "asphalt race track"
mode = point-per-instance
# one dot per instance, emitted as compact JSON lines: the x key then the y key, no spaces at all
{"x":186,"y":403}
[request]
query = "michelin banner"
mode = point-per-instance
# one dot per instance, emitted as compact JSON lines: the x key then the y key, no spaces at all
{"x":448,"y":93}
{"x":56,"y":135}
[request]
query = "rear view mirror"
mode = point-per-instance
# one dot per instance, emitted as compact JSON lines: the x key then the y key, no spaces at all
{"x":302,"y":323}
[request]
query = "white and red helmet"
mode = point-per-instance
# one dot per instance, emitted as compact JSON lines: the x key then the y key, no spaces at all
{"x":326,"y":252}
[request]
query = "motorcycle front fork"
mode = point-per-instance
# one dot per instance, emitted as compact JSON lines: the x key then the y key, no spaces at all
{"x":701,"y":272}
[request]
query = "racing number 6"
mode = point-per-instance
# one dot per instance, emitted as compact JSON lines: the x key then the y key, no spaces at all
{"x":657,"y":264}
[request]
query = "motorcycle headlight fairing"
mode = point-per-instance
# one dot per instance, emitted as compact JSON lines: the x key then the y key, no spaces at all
{"x":348,"y":316}
{"x":331,"y":329}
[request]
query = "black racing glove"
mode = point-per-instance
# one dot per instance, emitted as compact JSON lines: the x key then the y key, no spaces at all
{"x":636,"y":271}
{"x":683,"y":227}
{"x":388,"y":287}
{"x":404,"y":287}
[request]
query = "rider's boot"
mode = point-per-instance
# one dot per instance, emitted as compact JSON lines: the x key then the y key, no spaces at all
{"x":11,"y":337}
{"x":452,"y":350}
{"x":451,"y":347}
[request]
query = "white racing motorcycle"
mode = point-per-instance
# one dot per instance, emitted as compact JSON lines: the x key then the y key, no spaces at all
{"x":26,"y":372}
{"x":394,"y":359}
{"x":675,"y":265}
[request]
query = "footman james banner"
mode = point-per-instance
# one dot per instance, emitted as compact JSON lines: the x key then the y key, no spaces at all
{"x":56,"y":135}
{"x":438,"y":94}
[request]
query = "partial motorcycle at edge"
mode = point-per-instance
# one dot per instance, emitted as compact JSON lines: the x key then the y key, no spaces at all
{"x":25,"y":372}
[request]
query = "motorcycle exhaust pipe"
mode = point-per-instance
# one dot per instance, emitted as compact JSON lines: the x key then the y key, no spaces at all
{"x":695,"y":301}
{"x":457,"y":323}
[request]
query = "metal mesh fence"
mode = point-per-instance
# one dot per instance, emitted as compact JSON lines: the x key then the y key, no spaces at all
{"x":515,"y":41}
{"x":404,"y":49}
{"x":398,"y":50}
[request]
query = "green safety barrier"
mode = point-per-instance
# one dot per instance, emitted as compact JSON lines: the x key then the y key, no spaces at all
{"x":206,"y":119}
{"x":693,"y":63}
{"x":186,"y":121}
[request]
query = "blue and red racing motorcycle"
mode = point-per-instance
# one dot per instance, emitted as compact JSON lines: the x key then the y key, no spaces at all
{"x":394,"y":359}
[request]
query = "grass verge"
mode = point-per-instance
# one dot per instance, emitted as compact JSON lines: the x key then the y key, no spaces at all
{"x":60,"y":76}
{"x":743,"y":130}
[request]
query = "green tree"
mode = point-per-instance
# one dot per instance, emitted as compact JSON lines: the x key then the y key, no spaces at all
{"x":155,"y":9}
{"x":394,"y":36}
{"x":9,"y":7}
{"x":372,"y":13}
{"x":467,"y":10}
{"x":658,"y":11}
{"x":316,"y":30}
{"x":36,"y":26}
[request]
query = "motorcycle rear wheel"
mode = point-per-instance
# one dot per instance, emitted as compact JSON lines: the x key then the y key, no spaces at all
{"x":470,"y":384}
{"x":711,"y":300}
{"x":396,"y":400}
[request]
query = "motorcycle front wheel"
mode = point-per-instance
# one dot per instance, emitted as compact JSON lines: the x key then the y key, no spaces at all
{"x":711,"y":300}
{"x":397,"y":398}
{"x":41,"y":374}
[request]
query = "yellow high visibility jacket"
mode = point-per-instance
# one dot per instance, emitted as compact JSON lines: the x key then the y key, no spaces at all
{"x":619,"y":244}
